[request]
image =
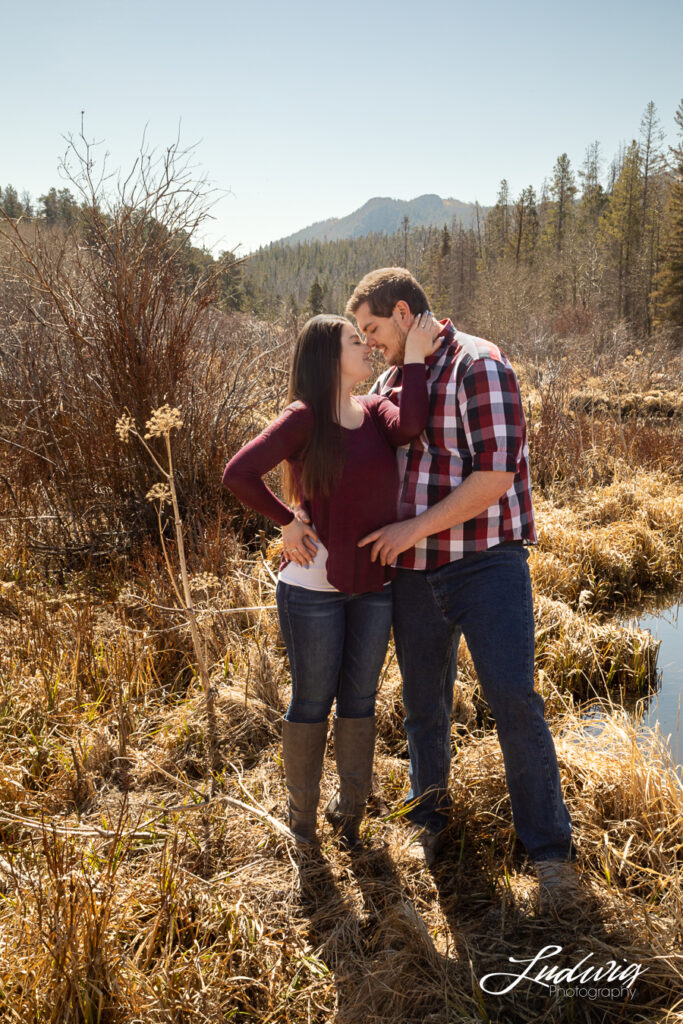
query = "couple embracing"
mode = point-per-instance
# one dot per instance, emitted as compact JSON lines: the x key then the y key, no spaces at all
{"x":408,"y":506}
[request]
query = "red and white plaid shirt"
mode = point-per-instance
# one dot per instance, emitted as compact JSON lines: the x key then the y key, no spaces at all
{"x":476,"y":422}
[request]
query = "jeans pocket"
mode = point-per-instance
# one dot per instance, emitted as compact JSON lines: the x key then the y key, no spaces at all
{"x":438,"y":581}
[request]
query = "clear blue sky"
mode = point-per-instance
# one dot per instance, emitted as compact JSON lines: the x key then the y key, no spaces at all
{"x":306,"y":110}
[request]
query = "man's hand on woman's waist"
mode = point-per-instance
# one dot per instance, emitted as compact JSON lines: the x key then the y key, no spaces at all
{"x":473,"y":496}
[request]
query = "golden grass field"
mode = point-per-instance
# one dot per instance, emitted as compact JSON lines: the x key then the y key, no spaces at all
{"x":136,"y":889}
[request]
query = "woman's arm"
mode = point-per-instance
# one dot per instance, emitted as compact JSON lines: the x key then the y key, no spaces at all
{"x":283,"y":439}
{"x":243,"y":475}
{"x":403,"y":422}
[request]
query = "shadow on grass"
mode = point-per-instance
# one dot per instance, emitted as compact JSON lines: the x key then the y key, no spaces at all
{"x":497,"y":931}
{"x":390,"y":966}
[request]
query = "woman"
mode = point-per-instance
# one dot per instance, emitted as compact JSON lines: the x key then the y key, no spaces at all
{"x":338,"y":453}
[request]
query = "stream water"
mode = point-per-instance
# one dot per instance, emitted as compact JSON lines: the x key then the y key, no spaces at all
{"x":666,"y":705}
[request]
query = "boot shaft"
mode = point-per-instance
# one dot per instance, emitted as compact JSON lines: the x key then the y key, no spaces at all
{"x":303,"y":752}
{"x":354,"y":748}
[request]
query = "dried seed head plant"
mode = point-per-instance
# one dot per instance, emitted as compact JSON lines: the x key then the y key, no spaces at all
{"x":160,"y":493}
{"x":160,"y":424}
{"x":163,"y":421}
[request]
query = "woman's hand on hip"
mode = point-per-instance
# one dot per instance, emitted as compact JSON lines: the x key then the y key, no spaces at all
{"x":300,"y":542}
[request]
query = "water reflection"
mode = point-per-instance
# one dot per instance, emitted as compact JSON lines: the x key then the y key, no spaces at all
{"x":665,"y":706}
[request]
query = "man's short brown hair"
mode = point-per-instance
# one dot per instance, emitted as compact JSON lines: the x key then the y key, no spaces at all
{"x":383,"y":288}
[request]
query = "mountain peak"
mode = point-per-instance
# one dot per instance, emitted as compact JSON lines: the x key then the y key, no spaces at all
{"x":384,"y":215}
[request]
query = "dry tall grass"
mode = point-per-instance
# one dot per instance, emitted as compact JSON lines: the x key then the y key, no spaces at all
{"x":113,"y":912}
{"x":106,"y":915}
{"x":607,"y":546}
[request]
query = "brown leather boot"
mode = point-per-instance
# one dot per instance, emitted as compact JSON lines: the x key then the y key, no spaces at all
{"x":303,"y":750}
{"x":559,"y":886}
{"x":354,"y":747}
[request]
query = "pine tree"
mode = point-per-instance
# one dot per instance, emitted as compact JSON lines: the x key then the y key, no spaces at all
{"x":497,"y":227}
{"x":620,"y":231}
{"x":651,"y":140}
{"x":525,"y":226}
{"x":231,"y":290}
{"x":316,"y":298}
{"x":562,"y":192}
{"x":50,"y":207}
{"x":593,"y":199}
{"x":58,"y":207}
{"x":405,"y":224}
{"x":668,"y":298}
{"x":652,"y":206}
{"x":558,"y":266}
{"x":440,"y":290}
{"x":591,"y":207}
{"x":10,"y":203}
{"x":445,"y":242}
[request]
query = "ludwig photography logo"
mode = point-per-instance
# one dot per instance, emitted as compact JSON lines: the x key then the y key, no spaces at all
{"x":590,"y":980}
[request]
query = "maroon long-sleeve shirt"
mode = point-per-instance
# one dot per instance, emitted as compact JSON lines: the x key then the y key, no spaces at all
{"x":366,"y":494}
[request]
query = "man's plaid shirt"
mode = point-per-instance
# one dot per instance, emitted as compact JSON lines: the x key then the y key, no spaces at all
{"x":476,"y":422}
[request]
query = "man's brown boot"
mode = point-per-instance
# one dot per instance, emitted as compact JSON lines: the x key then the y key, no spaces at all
{"x":559,"y":885}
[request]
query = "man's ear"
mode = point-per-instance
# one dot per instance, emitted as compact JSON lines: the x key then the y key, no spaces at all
{"x":402,"y":312}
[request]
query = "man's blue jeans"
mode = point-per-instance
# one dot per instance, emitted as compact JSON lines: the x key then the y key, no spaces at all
{"x":336,"y":644}
{"x":487,"y":597}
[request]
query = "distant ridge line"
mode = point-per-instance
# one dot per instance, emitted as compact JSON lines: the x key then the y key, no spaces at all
{"x":383,"y":215}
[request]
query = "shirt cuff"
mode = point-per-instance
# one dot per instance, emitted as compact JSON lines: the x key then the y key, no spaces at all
{"x":497,"y":462}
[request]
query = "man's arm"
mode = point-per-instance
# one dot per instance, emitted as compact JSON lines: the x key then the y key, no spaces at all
{"x":476,"y":493}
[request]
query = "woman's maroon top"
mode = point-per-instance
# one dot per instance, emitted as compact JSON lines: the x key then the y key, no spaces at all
{"x":366,"y":495}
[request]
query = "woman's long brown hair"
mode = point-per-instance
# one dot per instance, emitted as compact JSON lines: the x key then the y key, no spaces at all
{"x":314,"y":378}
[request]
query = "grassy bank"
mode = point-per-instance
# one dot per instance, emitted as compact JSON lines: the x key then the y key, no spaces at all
{"x":144,"y":905}
{"x":126,"y":897}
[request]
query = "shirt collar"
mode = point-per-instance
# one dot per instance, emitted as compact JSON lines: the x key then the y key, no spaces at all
{"x":447,"y":335}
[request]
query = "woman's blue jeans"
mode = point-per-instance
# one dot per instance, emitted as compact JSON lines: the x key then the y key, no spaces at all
{"x":336,"y":645}
{"x":487,"y":597}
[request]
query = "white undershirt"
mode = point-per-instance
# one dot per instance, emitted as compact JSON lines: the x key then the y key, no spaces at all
{"x":312,"y":576}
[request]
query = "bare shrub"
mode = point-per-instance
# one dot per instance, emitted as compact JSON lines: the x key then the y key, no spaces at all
{"x":116,"y":314}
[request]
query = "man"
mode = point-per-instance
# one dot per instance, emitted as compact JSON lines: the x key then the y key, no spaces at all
{"x":465,"y":516}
